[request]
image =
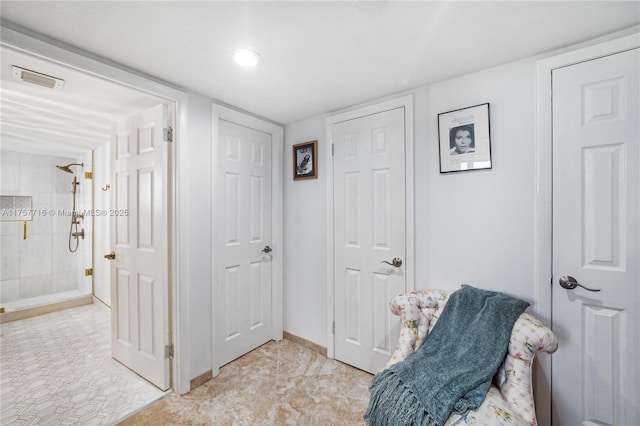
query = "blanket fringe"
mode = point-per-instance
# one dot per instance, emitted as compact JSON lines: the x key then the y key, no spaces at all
{"x":393,"y":404}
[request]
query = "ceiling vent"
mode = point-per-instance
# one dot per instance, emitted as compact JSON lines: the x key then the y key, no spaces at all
{"x":40,"y":79}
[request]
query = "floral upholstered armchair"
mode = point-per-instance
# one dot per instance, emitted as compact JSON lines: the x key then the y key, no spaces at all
{"x":510,"y":397}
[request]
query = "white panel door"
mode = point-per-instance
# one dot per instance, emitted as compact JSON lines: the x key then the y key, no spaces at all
{"x":139,"y":276}
{"x":243,"y":244}
{"x":369,"y":227}
{"x":596,"y":240}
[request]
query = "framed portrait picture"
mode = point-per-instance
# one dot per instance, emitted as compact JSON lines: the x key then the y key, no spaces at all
{"x":305,"y":160}
{"x":464,"y":136}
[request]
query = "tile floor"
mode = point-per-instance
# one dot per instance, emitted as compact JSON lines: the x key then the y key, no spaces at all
{"x":56,"y":369}
{"x":279,"y":383}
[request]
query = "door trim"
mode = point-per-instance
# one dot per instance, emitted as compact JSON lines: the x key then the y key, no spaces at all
{"x":405,"y":102}
{"x":543,"y":215}
{"x":220,"y":112}
{"x":15,"y":37}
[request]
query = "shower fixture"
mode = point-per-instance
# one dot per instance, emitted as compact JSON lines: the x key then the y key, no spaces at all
{"x":75,"y":216}
{"x":67,"y":169}
{"x":78,"y":234}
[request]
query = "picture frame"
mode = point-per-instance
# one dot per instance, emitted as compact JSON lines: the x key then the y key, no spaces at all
{"x":464,"y":137}
{"x":305,"y":160}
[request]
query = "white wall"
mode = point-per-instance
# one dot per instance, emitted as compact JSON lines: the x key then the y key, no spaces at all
{"x":476,"y":227}
{"x":305,"y":217}
{"x":471,"y":227}
{"x":194,"y":229}
{"x":102,"y":223}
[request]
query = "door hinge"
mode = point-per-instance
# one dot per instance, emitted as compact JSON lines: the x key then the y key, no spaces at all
{"x":88,"y":272}
{"x":88,"y":175}
{"x":168,"y":351}
{"x":333,"y":327}
{"x":332,"y":147}
{"x":167,"y":134}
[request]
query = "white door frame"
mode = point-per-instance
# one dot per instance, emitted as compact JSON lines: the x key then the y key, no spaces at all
{"x":543,"y":193}
{"x":178,"y":101}
{"x":220,"y":112}
{"x":407,"y":103}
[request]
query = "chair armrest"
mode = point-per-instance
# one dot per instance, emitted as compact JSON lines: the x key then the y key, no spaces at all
{"x":530,"y":336}
{"x":418,"y":313}
{"x":514,"y":378}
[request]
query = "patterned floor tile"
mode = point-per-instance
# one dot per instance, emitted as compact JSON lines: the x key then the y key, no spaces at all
{"x":56,"y":369}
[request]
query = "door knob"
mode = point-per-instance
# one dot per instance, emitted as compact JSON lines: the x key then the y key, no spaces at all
{"x":267,"y":249}
{"x":110,"y":256}
{"x":395,"y":262}
{"x":570,"y":283}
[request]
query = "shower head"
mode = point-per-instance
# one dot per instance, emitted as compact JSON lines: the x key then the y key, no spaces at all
{"x":67,"y":169}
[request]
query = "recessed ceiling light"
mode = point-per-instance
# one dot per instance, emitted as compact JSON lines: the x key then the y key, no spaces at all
{"x":246,"y":58}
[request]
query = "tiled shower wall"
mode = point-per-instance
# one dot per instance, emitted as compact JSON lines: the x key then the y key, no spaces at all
{"x":42,"y":264}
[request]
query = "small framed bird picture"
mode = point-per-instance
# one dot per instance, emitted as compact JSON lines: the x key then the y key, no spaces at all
{"x":305,"y":160}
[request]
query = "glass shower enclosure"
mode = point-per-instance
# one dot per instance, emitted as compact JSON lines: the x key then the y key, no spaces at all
{"x":45,"y":230}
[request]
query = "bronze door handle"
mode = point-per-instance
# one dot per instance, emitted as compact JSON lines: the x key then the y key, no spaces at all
{"x":570,"y":283}
{"x":395,"y":262}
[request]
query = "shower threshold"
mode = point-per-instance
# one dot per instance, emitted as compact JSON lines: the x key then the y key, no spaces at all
{"x":34,"y":306}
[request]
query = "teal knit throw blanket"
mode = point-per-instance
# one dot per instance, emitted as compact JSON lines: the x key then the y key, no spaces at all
{"x":453,"y":369}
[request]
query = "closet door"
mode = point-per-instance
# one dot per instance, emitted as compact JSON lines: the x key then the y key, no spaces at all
{"x":369,"y":236}
{"x":247,"y":287}
{"x":596,"y":241}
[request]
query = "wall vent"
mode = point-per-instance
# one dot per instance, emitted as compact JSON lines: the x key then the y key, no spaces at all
{"x":34,"y":77}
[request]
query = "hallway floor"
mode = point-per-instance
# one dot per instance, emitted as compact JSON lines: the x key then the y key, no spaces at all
{"x":56,"y":369}
{"x":279,"y":383}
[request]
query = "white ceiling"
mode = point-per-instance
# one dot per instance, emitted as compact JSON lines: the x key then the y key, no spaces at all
{"x":319,"y":56}
{"x":63,"y":122}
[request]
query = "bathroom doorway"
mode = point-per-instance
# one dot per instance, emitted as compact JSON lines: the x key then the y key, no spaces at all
{"x":50,"y":136}
{"x":64,"y":127}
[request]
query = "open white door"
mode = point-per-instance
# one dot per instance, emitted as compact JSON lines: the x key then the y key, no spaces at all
{"x":246,"y":238}
{"x":139,"y":276}
{"x":596,"y":241}
{"x":369,"y":236}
